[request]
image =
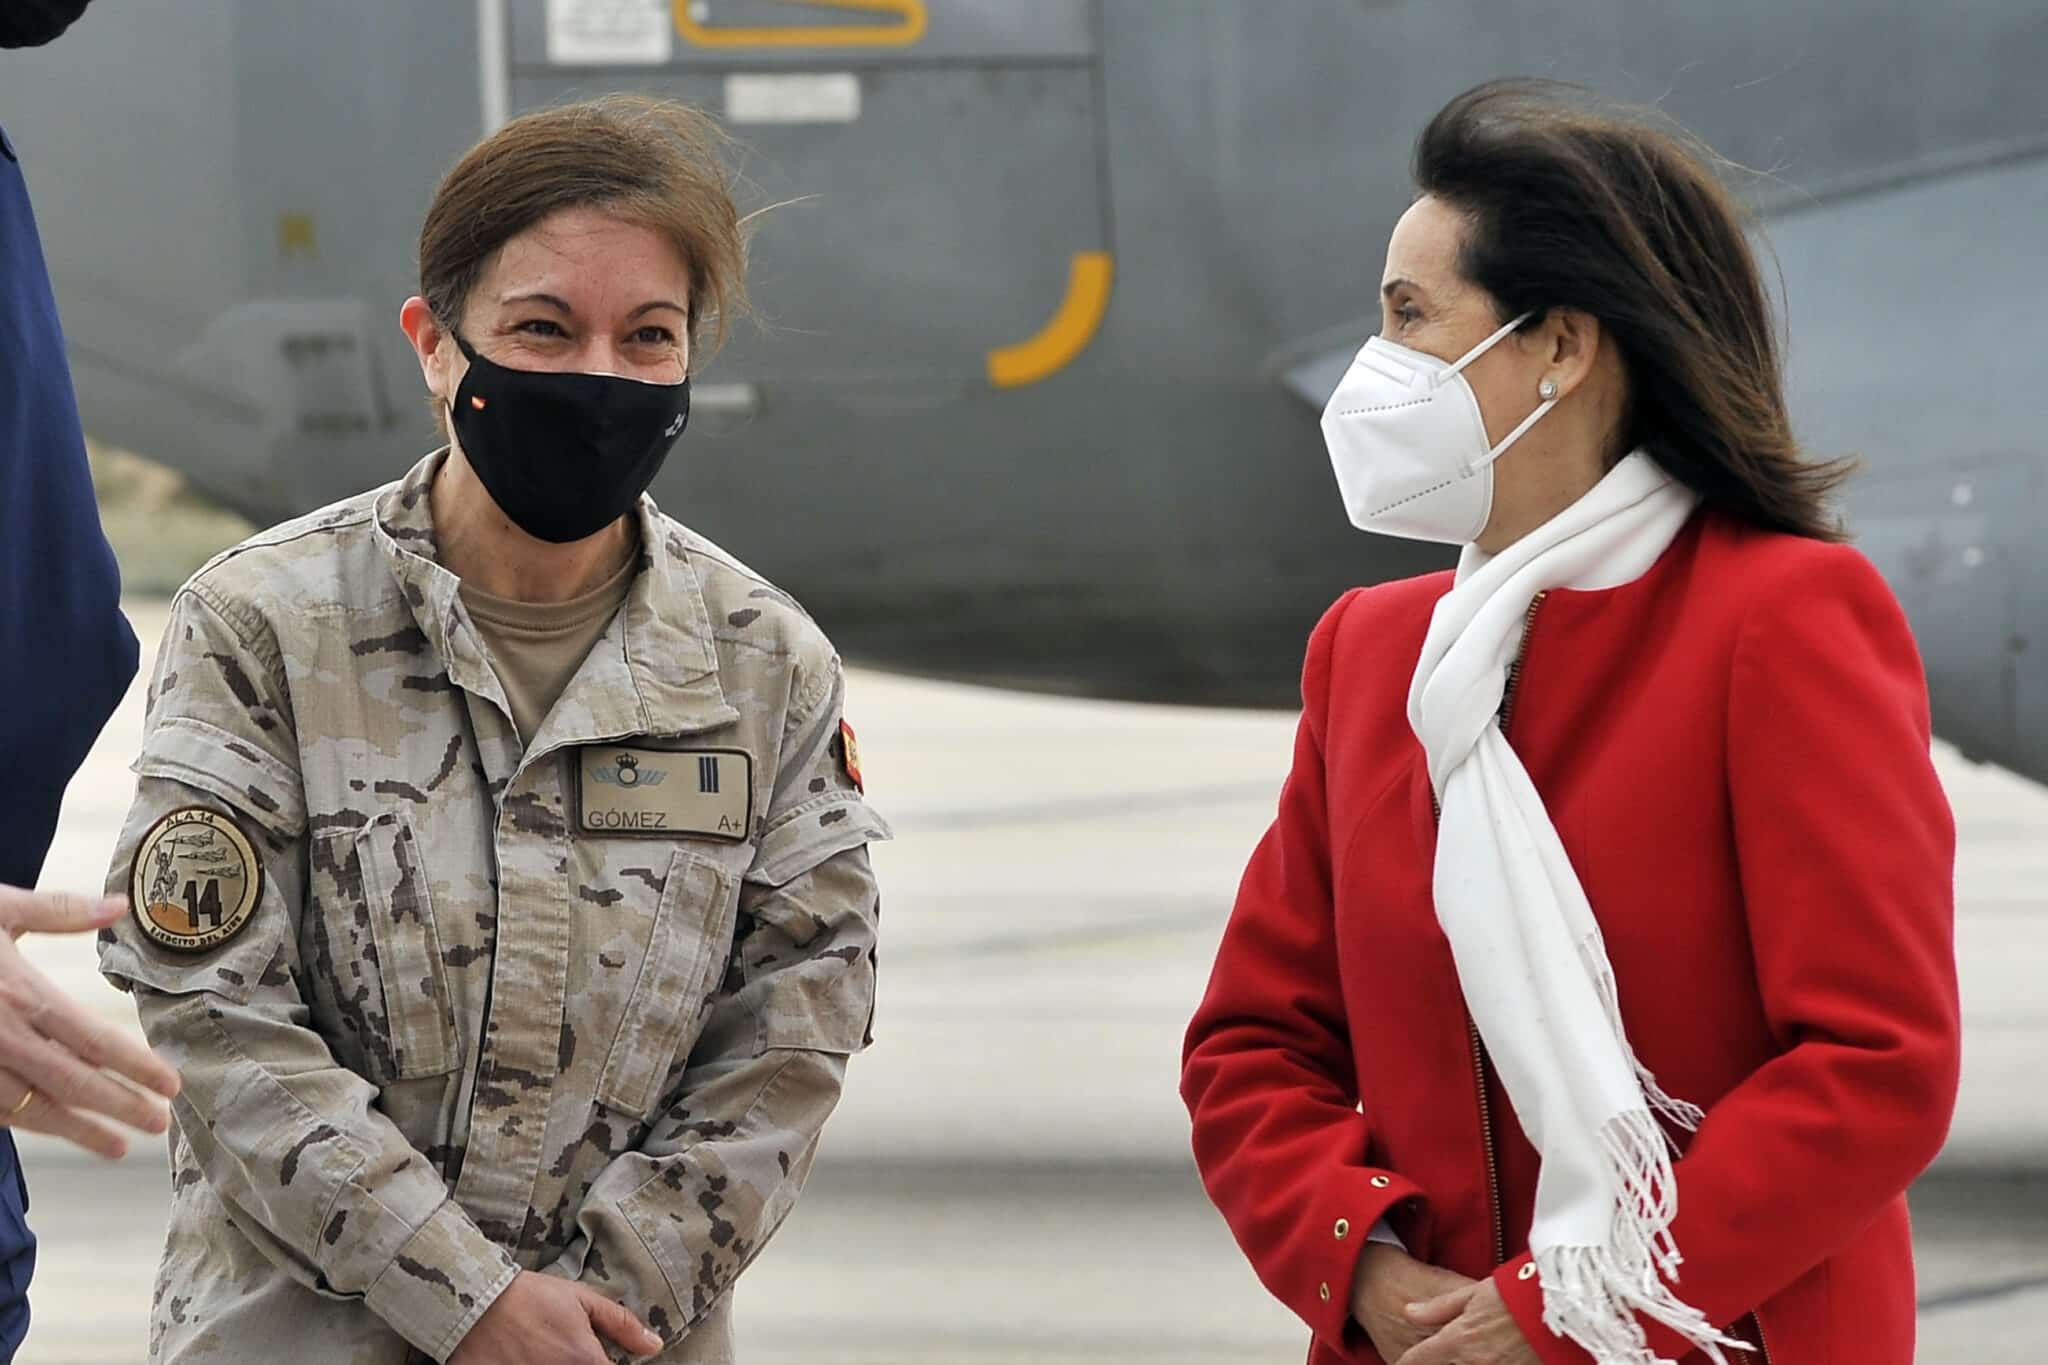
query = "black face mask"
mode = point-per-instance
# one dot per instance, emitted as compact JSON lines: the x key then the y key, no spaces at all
{"x":31,"y":23}
{"x":564,"y":455}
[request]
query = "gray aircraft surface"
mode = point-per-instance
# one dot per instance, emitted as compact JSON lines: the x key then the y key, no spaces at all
{"x":1062,"y":286}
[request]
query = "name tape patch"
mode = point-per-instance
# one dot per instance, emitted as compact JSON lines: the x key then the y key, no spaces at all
{"x":625,"y":789}
{"x":195,"y":880}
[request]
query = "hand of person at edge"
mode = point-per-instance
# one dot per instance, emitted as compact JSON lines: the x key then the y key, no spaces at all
{"x":1386,"y":1282}
{"x":62,"y":1068}
{"x":541,"y":1320}
{"x":1469,"y":1326}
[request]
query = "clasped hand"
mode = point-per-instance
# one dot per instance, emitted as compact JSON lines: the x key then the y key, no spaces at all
{"x":1420,"y":1314}
{"x":541,"y":1320}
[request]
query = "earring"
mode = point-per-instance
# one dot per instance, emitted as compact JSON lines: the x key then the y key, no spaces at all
{"x":1547,"y":389}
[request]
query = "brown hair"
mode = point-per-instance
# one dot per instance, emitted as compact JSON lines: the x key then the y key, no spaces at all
{"x":648,"y":161}
{"x":1616,"y":214}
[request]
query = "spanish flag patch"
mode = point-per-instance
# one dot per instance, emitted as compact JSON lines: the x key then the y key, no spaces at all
{"x":849,"y":754}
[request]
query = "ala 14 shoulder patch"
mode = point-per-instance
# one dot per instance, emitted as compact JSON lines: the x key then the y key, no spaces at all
{"x":195,"y":880}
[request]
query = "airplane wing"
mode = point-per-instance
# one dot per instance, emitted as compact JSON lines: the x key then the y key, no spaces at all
{"x":1310,"y":368}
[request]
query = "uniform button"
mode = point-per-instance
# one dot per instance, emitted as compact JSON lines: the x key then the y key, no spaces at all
{"x":1527,"y":1272}
{"x":1380,"y":1182}
{"x":1343,"y":1228}
{"x":1324,"y":1290}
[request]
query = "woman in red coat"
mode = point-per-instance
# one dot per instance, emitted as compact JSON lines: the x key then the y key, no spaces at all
{"x":1592,"y":997}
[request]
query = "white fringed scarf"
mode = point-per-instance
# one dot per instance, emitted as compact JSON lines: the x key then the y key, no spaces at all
{"x":1529,"y":953}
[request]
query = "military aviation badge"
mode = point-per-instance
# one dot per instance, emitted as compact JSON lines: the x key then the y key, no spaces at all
{"x":195,"y":881}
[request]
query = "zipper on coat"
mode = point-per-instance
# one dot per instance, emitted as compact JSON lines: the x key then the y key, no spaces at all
{"x":1479,"y":1072}
{"x":1507,"y":697}
{"x":1763,"y":1345}
{"x":1479,"y":1067}
{"x":1486,"y":1138}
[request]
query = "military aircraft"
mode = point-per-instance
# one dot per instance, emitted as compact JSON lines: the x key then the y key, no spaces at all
{"x":1058,"y":287}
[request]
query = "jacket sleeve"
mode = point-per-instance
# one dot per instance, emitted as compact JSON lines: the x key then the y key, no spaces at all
{"x":1267,"y":1071}
{"x":291,"y":1141}
{"x":66,"y":652}
{"x":667,"y":1228}
{"x":1847,"y":855}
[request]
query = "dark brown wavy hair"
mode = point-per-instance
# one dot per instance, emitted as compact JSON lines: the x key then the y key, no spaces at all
{"x":644,"y":160}
{"x":1573,"y":204}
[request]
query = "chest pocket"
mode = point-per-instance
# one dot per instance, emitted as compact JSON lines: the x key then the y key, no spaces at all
{"x":686,"y":954}
{"x":377,"y":953}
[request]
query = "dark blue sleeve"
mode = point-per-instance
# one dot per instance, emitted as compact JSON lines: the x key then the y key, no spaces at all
{"x":66,"y":652}
{"x":17,"y":1249}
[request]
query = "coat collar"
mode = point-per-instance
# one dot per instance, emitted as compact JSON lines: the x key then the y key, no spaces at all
{"x":654,"y":671}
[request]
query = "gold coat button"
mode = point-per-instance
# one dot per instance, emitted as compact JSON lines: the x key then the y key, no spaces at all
{"x":1324,"y":1290}
{"x":1380,"y":1182}
{"x":1527,"y":1272}
{"x":1343,"y":1228}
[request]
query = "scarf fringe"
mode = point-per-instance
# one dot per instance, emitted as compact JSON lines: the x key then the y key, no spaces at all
{"x":1593,"y":1294}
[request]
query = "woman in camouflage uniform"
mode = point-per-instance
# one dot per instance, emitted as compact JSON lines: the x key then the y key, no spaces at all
{"x":499,"y":856}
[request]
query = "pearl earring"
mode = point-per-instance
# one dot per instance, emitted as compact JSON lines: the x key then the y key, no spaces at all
{"x":1547,"y":389}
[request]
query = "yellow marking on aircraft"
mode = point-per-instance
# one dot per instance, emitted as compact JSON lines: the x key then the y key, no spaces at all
{"x":295,"y":234}
{"x":1067,"y":334}
{"x":908,"y":31}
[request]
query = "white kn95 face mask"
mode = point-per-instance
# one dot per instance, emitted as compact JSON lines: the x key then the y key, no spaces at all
{"x":1409,"y":446}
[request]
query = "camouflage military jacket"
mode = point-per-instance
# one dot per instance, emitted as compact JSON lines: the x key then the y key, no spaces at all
{"x":448,"y":1007}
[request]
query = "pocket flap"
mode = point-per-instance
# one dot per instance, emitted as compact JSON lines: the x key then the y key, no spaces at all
{"x":225,"y":765}
{"x":812,"y":833}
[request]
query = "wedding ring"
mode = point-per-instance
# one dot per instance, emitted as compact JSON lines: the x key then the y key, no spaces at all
{"x":25,"y":1101}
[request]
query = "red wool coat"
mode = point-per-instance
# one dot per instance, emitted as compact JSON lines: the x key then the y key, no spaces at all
{"x":1735,"y":751}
